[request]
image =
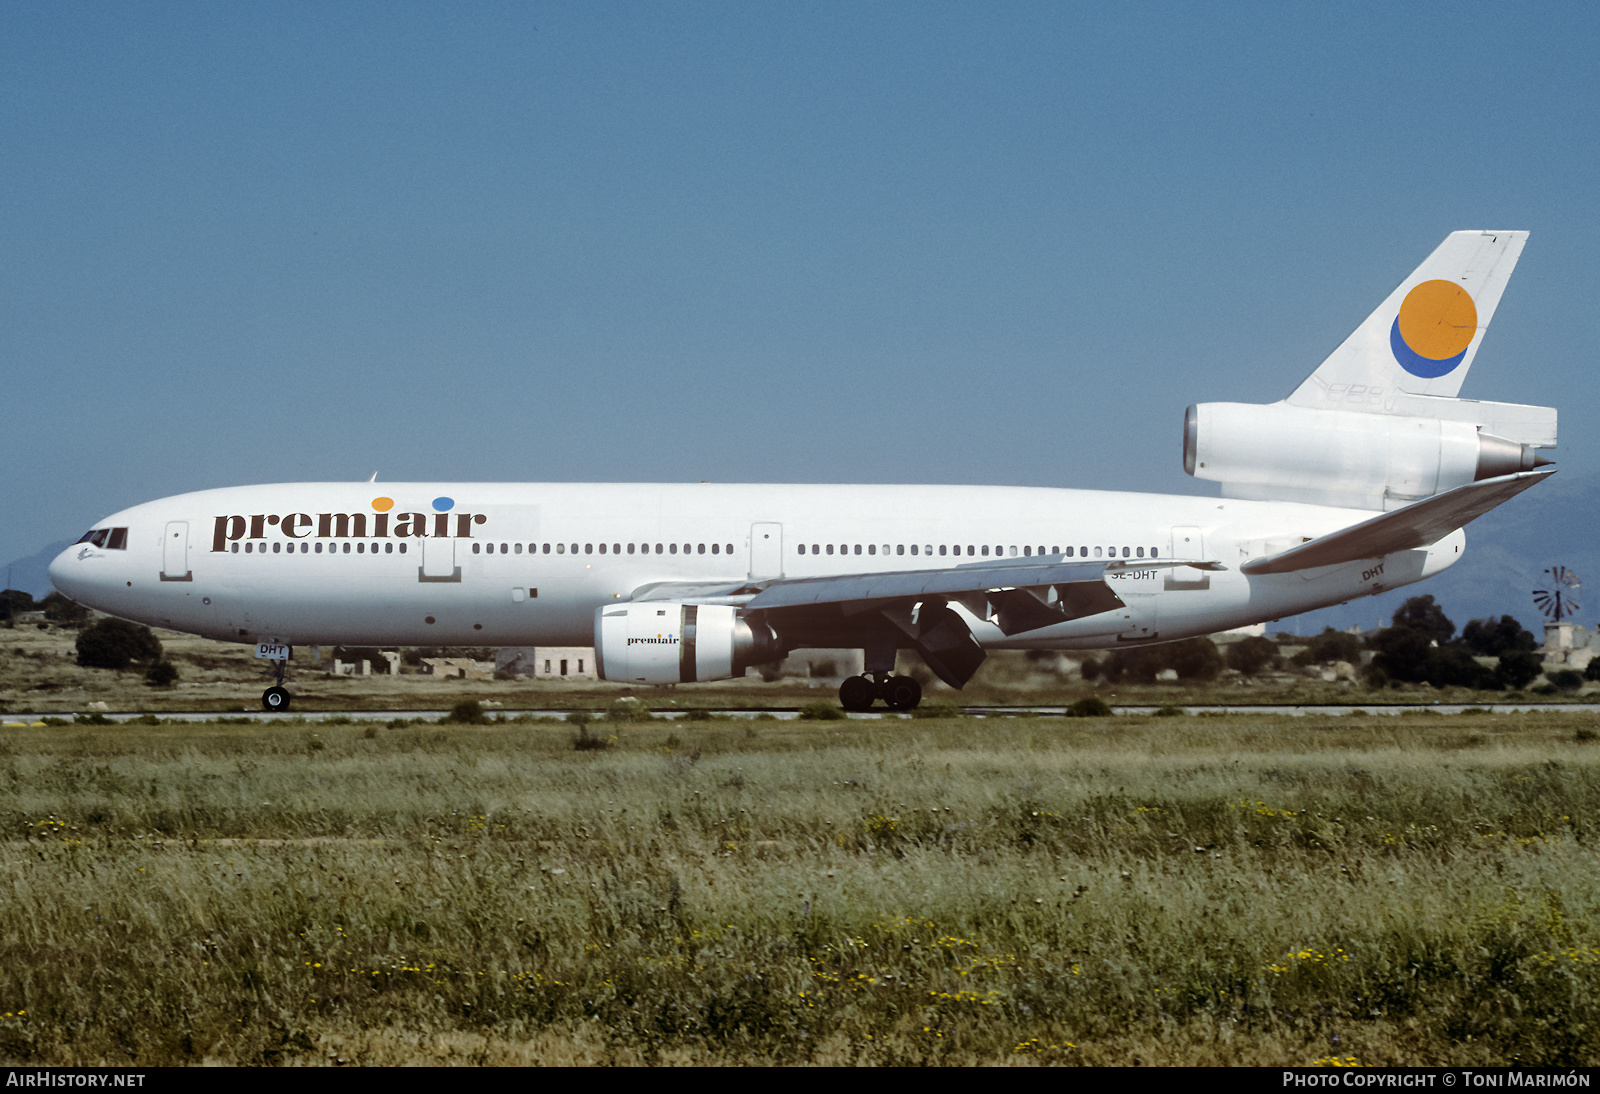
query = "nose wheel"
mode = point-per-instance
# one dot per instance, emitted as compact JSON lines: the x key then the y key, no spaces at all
{"x":276,"y":698}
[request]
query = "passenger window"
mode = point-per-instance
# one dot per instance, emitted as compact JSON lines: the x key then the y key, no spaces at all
{"x":1125,"y":552}
{"x":830,"y":548}
{"x":516,"y":549}
{"x":700,"y":549}
{"x":1141,"y":552}
{"x":1027,"y":552}
{"x":630,"y":548}
{"x":388,"y":548}
{"x":402,"y":548}
{"x":475,"y":549}
{"x":672,"y":548}
{"x":899,"y":549}
{"x":602,"y":548}
{"x":616,"y":548}
{"x":561,"y":548}
{"x":574,"y":548}
{"x":588,"y":548}
{"x":716,"y":548}
{"x":1097,"y":552}
{"x":858,"y":548}
{"x":235,"y":547}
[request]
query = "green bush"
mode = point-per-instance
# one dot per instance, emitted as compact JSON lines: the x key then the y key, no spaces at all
{"x":468,"y":713}
{"x":1091,"y":707}
{"x":116,"y":644}
{"x":1332,"y":645}
{"x":1565,"y":679}
{"x":1251,"y":655}
{"x":584,"y":741}
{"x":821,"y":711}
{"x":1519,"y":668}
{"x":161,"y":674}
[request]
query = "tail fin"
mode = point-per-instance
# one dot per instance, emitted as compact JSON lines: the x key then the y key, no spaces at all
{"x":1422,"y":339}
{"x":1378,"y":425}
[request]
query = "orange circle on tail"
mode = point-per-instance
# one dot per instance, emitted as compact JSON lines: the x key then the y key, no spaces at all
{"x":1438,"y":320}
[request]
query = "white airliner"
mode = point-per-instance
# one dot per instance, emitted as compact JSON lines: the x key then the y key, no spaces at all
{"x":1360,"y":481}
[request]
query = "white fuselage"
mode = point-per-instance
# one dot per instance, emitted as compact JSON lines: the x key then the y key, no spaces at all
{"x":502,"y":564}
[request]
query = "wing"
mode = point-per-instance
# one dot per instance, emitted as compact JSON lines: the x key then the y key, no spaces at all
{"x":899,"y":604}
{"x":1416,"y":525}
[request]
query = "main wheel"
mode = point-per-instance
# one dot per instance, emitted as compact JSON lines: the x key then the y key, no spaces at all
{"x":901,"y":693}
{"x":857,"y":693}
{"x":275,"y":699}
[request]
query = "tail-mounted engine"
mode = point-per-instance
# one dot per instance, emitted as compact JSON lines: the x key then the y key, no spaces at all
{"x":1335,"y":457}
{"x":659,"y":642}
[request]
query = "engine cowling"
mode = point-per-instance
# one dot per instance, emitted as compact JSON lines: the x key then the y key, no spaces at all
{"x":661,"y":642}
{"x":1364,"y":459}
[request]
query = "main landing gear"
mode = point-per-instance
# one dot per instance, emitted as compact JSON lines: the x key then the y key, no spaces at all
{"x":276,"y":698}
{"x":897,"y":692}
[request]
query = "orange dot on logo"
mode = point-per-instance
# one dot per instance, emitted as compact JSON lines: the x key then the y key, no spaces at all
{"x":1438,"y":320}
{"x":383,"y":505}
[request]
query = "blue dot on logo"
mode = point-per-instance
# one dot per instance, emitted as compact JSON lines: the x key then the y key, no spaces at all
{"x":444,"y":505}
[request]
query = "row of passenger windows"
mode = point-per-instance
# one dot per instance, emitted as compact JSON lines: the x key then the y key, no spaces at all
{"x":944,"y":550}
{"x":983,"y":550}
{"x":614,"y":548}
{"x":307,"y":548}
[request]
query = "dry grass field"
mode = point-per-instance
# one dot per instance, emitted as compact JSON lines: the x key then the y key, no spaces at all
{"x":1181,"y":890}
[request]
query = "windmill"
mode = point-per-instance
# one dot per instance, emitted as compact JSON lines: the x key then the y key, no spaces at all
{"x":1556,"y":602}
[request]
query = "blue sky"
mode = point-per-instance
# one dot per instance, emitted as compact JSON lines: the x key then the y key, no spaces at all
{"x":796,"y":243}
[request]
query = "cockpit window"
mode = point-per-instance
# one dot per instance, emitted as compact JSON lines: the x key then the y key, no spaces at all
{"x":113,"y":539}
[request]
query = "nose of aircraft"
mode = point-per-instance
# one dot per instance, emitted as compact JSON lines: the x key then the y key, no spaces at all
{"x":71,"y":576}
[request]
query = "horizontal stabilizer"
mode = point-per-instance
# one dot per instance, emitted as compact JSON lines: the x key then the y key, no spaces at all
{"x":1417,"y":525}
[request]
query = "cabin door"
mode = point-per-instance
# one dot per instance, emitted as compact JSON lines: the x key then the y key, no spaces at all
{"x":766,"y":551}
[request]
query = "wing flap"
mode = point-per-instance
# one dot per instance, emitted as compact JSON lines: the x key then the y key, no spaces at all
{"x":868,"y":590}
{"x":1417,"y":525}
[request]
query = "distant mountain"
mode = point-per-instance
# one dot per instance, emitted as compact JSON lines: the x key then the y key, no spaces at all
{"x":1508,"y":550}
{"x":32,"y":574}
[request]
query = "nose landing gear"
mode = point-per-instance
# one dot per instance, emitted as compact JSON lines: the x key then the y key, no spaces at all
{"x":276,"y":698}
